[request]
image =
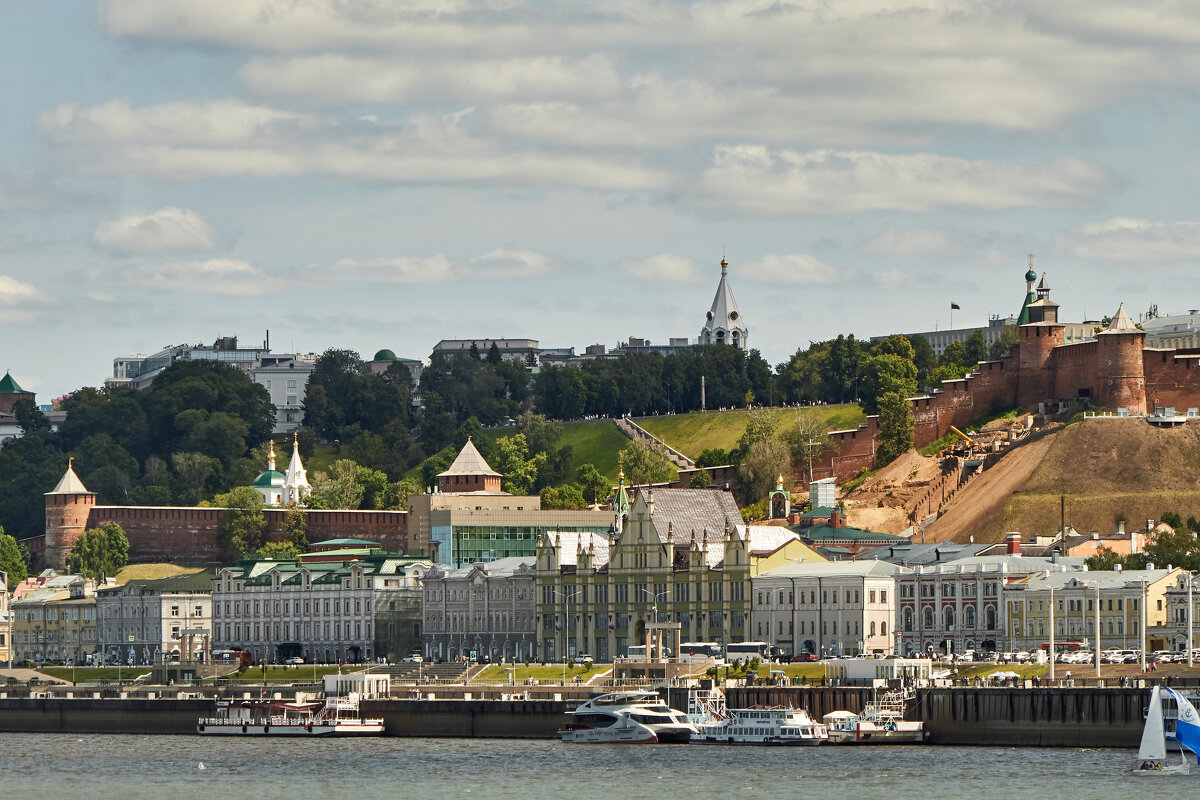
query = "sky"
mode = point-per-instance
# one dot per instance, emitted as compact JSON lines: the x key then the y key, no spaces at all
{"x":368,"y":174}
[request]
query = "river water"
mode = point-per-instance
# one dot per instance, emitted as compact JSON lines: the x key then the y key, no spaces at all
{"x":160,"y":767}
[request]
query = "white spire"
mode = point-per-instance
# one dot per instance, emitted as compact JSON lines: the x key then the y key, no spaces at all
{"x":723,"y":324}
{"x":295,"y":485}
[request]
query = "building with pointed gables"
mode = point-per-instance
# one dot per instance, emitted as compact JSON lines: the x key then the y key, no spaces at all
{"x":680,"y":556}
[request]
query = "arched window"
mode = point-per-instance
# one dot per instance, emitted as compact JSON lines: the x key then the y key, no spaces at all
{"x":872,"y":633}
{"x":908,"y":619}
{"x":928,"y":616}
{"x":989,"y":618}
{"x":969,"y":616}
{"x":948,"y":616}
{"x":883,"y":629}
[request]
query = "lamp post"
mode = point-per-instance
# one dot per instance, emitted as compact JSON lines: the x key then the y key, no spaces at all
{"x":1190,"y":578}
{"x":1097,"y":617}
{"x":1143,"y":617}
{"x":1052,"y":653}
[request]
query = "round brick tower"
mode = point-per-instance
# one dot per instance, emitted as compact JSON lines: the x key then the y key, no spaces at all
{"x":1121,"y":370}
{"x":68,"y":507}
{"x":1035,"y":380}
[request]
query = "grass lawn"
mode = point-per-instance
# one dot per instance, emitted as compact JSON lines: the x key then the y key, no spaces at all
{"x":550,"y":673}
{"x":321,"y":459}
{"x":691,"y":434}
{"x":148,"y":572}
{"x":300,"y":673}
{"x":1024,"y":670}
{"x":595,"y":443}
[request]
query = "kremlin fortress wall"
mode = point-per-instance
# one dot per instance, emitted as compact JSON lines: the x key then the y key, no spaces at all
{"x":189,"y":535}
{"x":1113,"y":371}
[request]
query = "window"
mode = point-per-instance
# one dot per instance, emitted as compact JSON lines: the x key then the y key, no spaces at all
{"x":883,"y":595}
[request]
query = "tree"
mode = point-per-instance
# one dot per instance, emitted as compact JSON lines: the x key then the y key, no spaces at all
{"x":243,"y":524}
{"x":192,"y":471}
{"x":895,"y":428}
{"x":643,"y":465}
{"x":592,"y":483}
{"x":764,"y":461}
{"x":30,"y":417}
{"x":567,"y":497}
{"x":12,"y":561}
{"x":278,"y":551}
{"x":713,"y":457}
{"x":339,"y":488}
{"x":760,"y":427}
{"x":1009,"y":336}
{"x":99,"y":551}
{"x":701,"y":480}
{"x":395,"y":497}
{"x":808,"y":439}
{"x":886,"y":373}
{"x":513,"y":461}
{"x":975,"y":348}
{"x":295,"y":527}
{"x":541,"y":434}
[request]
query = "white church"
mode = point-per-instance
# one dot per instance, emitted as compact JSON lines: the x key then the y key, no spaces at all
{"x":278,"y":489}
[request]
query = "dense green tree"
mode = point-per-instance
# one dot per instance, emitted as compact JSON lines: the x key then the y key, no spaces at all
{"x":279,"y":551}
{"x":701,"y":480}
{"x":643,"y":465}
{"x":395,"y":497}
{"x":975,"y":348}
{"x":713,"y":457}
{"x":764,"y":461}
{"x":594,"y":486}
{"x":895,"y":428}
{"x":514,"y":462}
{"x":923,"y":357}
{"x":12,"y":561}
{"x":568,"y":496}
{"x":243,"y":525}
{"x":338,"y":488}
{"x":1009,"y":336}
{"x":884,"y":374}
{"x":99,"y":551}
{"x":192,"y":472}
{"x":295,"y":527}
{"x":30,"y":417}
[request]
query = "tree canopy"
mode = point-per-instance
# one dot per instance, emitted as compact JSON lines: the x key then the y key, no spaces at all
{"x":99,"y":552}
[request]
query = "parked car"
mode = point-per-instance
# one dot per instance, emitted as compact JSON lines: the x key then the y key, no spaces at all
{"x":415,"y":658}
{"x":293,"y":660}
{"x":806,"y":658}
{"x":584,"y":659}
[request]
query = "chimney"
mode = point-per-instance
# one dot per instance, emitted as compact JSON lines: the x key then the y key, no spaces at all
{"x":1013,"y":542}
{"x":835,"y":518}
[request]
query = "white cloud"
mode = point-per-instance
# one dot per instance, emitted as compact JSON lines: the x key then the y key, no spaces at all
{"x":437,"y":268}
{"x":181,"y":141}
{"x":754,"y":179}
{"x":339,"y":79}
{"x":13,"y":292}
{"x":1123,"y":239}
{"x":167,"y":228}
{"x":663,"y":267}
{"x":797,"y":268}
{"x":892,"y":278}
{"x":918,"y":242}
{"x":215,"y":275}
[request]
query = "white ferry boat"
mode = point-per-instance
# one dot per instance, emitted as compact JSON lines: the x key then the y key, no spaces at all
{"x":337,"y":716}
{"x":627,"y":718}
{"x":764,"y":725}
{"x":881,"y":722}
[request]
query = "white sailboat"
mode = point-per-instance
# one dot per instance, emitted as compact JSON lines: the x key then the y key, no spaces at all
{"x":1153,"y":750}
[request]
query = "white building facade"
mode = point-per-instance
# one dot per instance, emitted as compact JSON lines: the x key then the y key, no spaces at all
{"x":826,"y":608}
{"x":147,"y":622}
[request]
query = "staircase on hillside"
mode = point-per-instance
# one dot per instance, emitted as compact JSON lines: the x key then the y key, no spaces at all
{"x":637,"y":432}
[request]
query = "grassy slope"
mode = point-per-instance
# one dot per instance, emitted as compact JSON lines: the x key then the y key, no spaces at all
{"x":691,"y":434}
{"x":148,"y":572}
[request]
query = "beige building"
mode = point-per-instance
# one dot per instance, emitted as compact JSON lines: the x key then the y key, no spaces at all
{"x":1175,"y":630}
{"x":681,"y":556}
{"x":6,"y":621}
{"x":826,"y":608}
{"x":55,"y":621}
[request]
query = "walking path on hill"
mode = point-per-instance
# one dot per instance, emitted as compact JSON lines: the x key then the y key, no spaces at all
{"x":637,"y":432}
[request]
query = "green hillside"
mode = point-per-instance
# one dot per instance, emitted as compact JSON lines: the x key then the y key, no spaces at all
{"x":691,"y":434}
{"x":596,"y":443}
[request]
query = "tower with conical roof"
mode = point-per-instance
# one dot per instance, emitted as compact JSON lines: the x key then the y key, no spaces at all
{"x":11,"y":393}
{"x":1122,"y":369}
{"x":68,"y":507}
{"x":296,"y":488}
{"x":724,"y":324}
{"x":1030,"y":295}
{"x":469,"y":473}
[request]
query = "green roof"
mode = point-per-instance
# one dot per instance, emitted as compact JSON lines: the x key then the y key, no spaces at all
{"x":9,"y":386}
{"x":818,"y":533}
{"x":819,"y":511}
{"x":384,"y":355}
{"x":268,"y":478}
{"x":345,"y":543}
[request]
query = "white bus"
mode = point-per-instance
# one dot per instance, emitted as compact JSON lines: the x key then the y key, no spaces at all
{"x":698,"y":651}
{"x":744,"y":651}
{"x":637,"y":652}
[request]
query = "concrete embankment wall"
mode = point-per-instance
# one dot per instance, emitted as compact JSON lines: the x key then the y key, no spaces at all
{"x":1000,"y":717}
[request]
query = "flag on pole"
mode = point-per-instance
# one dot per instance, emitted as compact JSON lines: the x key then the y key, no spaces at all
{"x":955,"y":307}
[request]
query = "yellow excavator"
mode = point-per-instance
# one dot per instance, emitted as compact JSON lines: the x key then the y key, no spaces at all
{"x":970,"y":443}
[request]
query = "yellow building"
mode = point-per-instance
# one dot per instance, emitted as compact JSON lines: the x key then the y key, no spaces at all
{"x":1127,"y":604}
{"x":682,"y":556}
{"x":55,"y":621}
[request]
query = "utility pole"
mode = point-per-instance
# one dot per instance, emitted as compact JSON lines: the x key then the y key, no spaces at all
{"x":1097,"y":629}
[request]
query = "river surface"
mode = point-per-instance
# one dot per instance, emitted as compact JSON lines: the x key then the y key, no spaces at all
{"x":161,"y":767}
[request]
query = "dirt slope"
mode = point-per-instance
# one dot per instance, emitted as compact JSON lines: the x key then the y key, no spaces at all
{"x":883,"y":501}
{"x":1108,"y":469}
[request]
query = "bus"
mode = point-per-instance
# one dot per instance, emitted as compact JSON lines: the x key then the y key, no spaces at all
{"x":698,"y":651}
{"x":637,"y":652}
{"x":744,"y":651}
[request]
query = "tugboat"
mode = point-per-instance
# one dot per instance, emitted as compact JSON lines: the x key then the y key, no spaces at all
{"x":627,"y":718}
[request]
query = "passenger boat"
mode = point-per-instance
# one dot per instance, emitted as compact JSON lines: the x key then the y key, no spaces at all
{"x":626,"y":718}
{"x":763,"y":725}
{"x":880,"y":722}
{"x":336,"y":716}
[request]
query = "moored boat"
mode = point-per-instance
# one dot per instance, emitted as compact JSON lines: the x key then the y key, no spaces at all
{"x":880,"y":722}
{"x":337,"y":716}
{"x":626,"y":718}
{"x":762,"y":725}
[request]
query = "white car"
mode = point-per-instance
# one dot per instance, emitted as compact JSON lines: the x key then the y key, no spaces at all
{"x":415,"y":658}
{"x":294,"y":660}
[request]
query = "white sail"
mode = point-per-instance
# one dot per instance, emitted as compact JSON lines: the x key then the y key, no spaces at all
{"x":1154,"y":742}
